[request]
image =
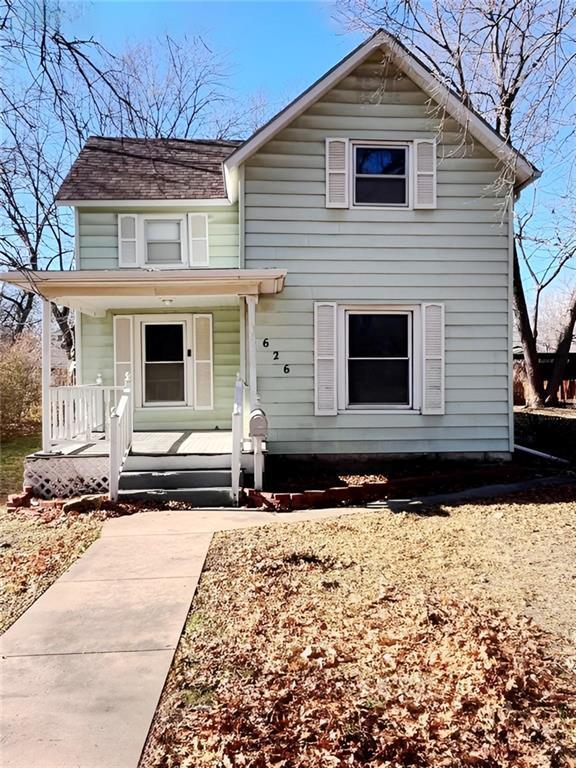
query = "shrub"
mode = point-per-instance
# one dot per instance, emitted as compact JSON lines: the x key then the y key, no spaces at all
{"x":20,"y":385}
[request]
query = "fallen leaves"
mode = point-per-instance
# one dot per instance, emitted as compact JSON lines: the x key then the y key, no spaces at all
{"x":322,"y":644}
{"x":36,"y":549}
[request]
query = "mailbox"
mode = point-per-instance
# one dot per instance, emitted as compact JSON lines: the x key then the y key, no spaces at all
{"x":258,"y":424}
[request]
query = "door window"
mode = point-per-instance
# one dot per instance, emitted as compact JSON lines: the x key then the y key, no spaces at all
{"x":164,"y":363}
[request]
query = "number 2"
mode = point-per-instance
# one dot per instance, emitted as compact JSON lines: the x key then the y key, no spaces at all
{"x":276,"y":354}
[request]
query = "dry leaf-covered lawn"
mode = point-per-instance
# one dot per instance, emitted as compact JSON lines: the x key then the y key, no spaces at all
{"x":382,"y":639}
{"x":34,"y":552}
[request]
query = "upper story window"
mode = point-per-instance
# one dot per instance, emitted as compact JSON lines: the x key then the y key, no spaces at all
{"x":163,"y":241}
{"x":381,"y":175}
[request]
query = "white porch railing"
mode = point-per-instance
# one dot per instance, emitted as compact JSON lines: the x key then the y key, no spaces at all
{"x":237,"y":437}
{"x":81,"y":412}
{"x":121,"y":428}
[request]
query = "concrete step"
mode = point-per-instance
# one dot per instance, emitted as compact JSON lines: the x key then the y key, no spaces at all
{"x":139,"y":462}
{"x":185,"y":478}
{"x":196,"y":497}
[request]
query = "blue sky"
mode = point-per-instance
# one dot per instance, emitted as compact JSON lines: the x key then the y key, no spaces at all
{"x":274,"y":48}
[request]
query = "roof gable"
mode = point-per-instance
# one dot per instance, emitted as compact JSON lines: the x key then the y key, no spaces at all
{"x":423,"y":77}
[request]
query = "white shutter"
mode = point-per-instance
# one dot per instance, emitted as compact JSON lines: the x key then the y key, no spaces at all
{"x":123,"y":353}
{"x":127,"y":240}
{"x":433,"y":359}
{"x":198,"y":239}
{"x":337,"y":163}
{"x":424,"y":173}
{"x":203,"y":363}
{"x":325,"y":359}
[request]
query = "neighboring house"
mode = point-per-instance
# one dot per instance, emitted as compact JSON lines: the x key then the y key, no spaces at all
{"x":351,"y":261}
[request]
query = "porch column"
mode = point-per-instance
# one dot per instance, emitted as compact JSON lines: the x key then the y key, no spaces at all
{"x":46,"y":373}
{"x":253,"y":382}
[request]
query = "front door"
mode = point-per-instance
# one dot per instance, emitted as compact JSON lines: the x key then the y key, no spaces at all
{"x":166,"y":369}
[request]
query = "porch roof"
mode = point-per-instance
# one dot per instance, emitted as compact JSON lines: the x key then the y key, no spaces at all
{"x":95,"y":290}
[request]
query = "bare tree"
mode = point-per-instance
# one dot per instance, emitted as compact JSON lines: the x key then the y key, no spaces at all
{"x":56,"y":91}
{"x":513,"y":61}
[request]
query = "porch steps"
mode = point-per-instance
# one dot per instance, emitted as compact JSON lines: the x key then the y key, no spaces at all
{"x":170,"y":480}
{"x":138,"y":462}
{"x":196,"y":497}
{"x":202,"y":480}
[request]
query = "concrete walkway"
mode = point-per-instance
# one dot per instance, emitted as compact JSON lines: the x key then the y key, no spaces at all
{"x":84,"y":667}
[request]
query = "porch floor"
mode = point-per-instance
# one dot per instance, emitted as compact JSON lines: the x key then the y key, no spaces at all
{"x":175,"y":443}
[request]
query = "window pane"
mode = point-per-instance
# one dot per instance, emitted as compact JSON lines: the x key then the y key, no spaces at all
{"x":164,"y":342}
{"x":378,"y":382}
{"x":163,"y":230}
{"x":383,"y":160}
{"x":163,"y":253}
{"x":378,"y":335}
{"x":381,"y":191}
{"x":164,"y":382}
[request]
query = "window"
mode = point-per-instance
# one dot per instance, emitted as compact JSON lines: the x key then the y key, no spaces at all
{"x":378,"y":359}
{"x":164,"y":363}
{"x":163,"y":241}
{"x":380,"y":175}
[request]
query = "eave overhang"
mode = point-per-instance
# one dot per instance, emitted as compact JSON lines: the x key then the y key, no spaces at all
{"x":88,"y":288}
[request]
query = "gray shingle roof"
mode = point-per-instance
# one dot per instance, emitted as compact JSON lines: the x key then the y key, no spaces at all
{"x":147,"y":169}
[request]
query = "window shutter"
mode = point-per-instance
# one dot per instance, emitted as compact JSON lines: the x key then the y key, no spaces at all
{"x":127,"y":240}
{"x":123,"y":355}
{"x":198,"y":236}
{"x":325,"y":359}
{"x":433,"y":363}
{"x":203,"y":363}
{"x":424,"y":173}
{"x":337,"y":162}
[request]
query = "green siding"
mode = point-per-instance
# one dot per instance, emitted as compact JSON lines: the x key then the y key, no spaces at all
{"x":98,"y":235}
{"x":98,"y":352}
{"x":456,"y":253}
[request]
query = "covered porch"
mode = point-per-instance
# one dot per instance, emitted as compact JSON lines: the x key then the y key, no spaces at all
{"x":156,"y":372}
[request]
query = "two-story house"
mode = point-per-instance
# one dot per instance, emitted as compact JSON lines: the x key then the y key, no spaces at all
{"x":338,"y":283}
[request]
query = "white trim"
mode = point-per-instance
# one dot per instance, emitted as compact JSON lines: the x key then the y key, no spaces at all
{"x":416,"y":174}
{"x":138,"y":361}
{"x":195,"y":317}
{"x":143,"y":362}
{"x":415,"y":346}
{"x":241,"y":218}
{"x":252,"y":369}
{"x":441,"y":409}
{"x":511,"y":324}
{"x":136,"y":203}
{"x":46,"y":373}
{"x":417,"y":72}
{"x":329,"y":356}
{"x":78,"y":348}
{"x":192,"y":263}
{"x":409,"y":204}
{"x":115,"y":362}
{"x":77,"y":239}
{"x":142,"y":242}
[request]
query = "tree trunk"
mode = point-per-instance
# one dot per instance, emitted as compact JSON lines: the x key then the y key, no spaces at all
{"x":561,"y":358}
{"x":533,"y":390}
{"x":62,"y":317}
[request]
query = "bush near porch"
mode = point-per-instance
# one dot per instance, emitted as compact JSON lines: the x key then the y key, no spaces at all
{"x":382,"y":640}
{"x":20,"y":385}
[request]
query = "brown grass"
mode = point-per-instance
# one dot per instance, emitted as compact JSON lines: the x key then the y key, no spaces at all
{"x":34,"y":552}
{"x":382,"y":639}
